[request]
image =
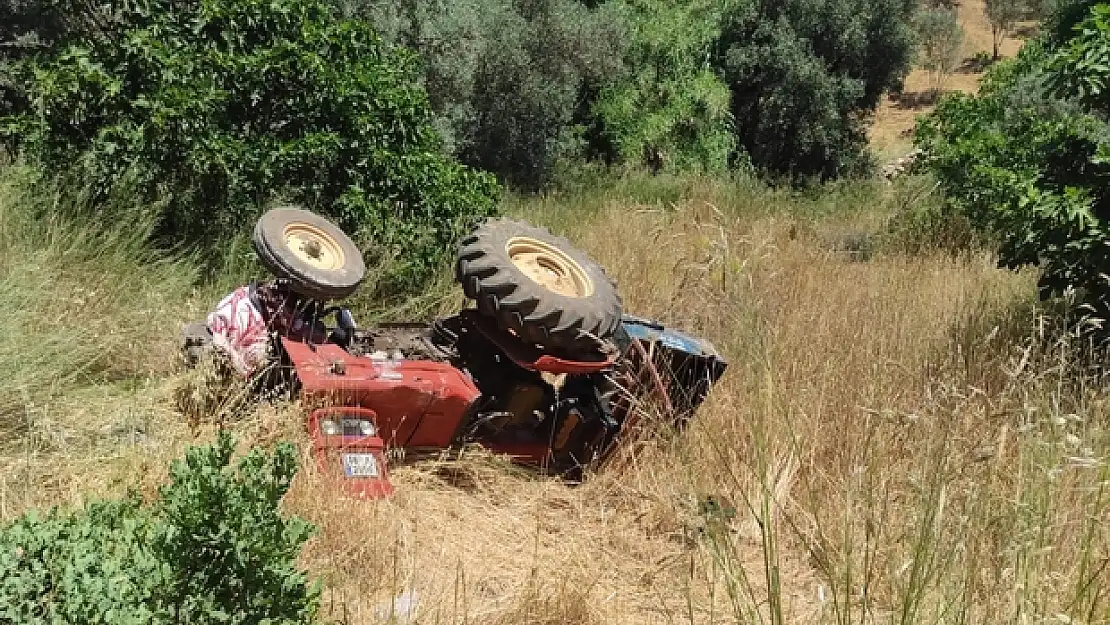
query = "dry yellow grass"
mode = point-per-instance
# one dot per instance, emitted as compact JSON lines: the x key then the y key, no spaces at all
{"x":899,"y":441}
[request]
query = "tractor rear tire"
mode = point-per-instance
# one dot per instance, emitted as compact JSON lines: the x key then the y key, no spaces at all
{"x":538,"y":286}
{"x":313,"y":254}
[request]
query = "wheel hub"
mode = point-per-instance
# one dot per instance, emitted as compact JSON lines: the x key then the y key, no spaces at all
{"x":549,"y":267}
{"x":313,"y":246}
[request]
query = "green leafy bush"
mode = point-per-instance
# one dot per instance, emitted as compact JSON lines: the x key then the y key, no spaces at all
{"x":220,"y":106}
{"x":212,"y":549}
{"x":1080,"y":69}
{"x":805,"y":74}
{"x":29,"y":28}
{"x":671,"y":111}
{"x":1062,"y":16}
{"x":1026,"y":160}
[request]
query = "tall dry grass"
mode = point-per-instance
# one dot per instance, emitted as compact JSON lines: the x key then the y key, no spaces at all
{"x":900,"y":438}
{"x":89,"y":329}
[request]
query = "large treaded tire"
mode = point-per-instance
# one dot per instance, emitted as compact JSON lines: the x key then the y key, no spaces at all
{"x":333,"y":269}
{"x":536,"y":313}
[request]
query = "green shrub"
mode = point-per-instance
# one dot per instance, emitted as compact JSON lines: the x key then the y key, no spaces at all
{"x":922,"y":223}
{"x":1026,"y":161}
{"x":671,"y":111}
{"x":219,"y":106}
{"x":212,"y":549}
{"x":805,"y":74}
{"x":1080,"y":69}
{"x":29,"y":27}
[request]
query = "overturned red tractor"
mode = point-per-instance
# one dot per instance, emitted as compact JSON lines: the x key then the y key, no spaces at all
{"x":546,"y":368}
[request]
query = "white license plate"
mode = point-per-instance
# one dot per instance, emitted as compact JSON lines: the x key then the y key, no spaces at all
{"x":360,"y":465}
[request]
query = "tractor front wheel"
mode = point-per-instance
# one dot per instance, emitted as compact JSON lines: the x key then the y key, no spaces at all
{"x":318,"y":259}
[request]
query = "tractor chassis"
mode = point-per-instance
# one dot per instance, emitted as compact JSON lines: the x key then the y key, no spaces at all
{"x":462,"y":380}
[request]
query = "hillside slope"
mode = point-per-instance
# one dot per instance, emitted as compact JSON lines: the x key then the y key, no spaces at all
{"x":896,"y":434}
{"x":897,"y":116}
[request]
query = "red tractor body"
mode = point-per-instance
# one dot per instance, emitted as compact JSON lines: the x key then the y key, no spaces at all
{"x":418,"y":403}
{"x":413,"y":404}
{"x":345,"y":451}
{"x":432,"y":399}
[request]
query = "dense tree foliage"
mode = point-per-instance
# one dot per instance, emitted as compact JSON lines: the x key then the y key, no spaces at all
{"x":216,"y":107}
{"x":364,"y":109}
{"x":670,"y":110}
{"x":34,"y":27}
{"x":1062,"y":16}
{"x":684,"y":85}
{"x":510,"y":82}
{"x":1028,"y":159}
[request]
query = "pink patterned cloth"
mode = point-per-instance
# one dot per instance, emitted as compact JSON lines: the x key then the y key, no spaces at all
{"x":239,"y":330}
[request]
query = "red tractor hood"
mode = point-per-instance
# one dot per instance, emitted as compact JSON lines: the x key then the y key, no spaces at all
{"x":411,"y":403}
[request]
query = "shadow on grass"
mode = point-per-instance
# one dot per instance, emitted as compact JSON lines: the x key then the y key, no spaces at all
{"x":914,"y":100}
{"x":976,"y":64}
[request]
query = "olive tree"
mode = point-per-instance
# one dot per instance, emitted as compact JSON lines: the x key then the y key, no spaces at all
{"x":510,"y":82}
{"x":805,"y":74}
{"x":1003,"y":15}
{"x":940,"y":38}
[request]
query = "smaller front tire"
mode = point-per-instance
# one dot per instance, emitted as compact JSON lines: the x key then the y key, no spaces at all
{"x":318,"y":259}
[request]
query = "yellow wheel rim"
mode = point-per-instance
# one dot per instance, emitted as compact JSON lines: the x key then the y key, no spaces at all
{"x":313,"y":246}
{"x":549,"y":267}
